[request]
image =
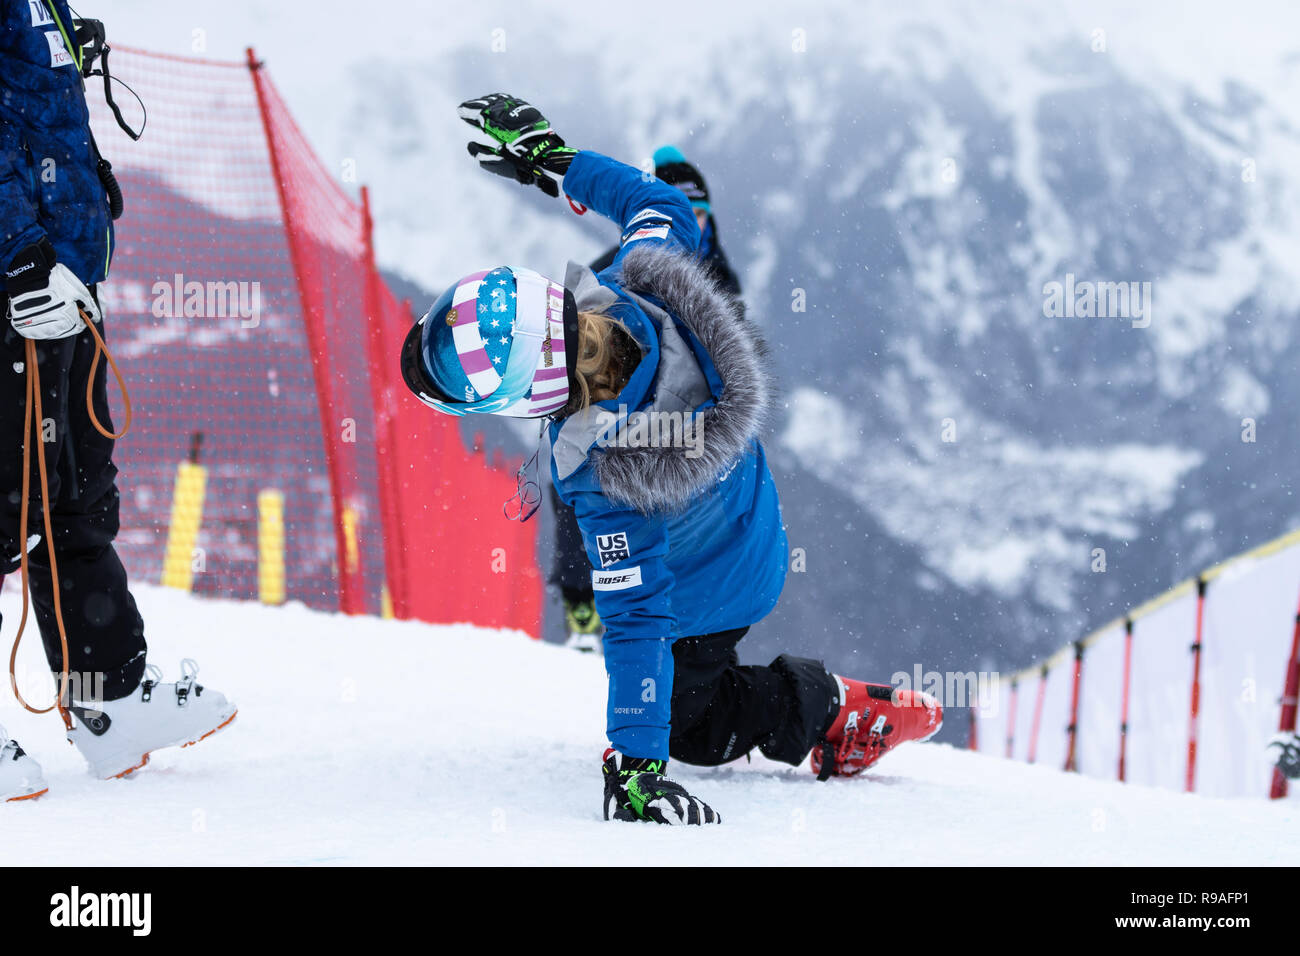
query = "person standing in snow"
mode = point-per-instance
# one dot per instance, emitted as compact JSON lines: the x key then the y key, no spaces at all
{"x":55,"y":246}
{"x":570,"y":571}
{"x":684,"y":529}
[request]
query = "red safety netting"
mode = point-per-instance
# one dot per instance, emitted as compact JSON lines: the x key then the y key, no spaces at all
{"x":256,"y":336}
{"x":326,"y":233}
{"x":464,"y":560}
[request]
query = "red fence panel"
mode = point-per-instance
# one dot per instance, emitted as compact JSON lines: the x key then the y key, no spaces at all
{"x":250,"y":321}
{"x":465,"y":561}
{"x":326,"y":232}
{"x":202,"y":212}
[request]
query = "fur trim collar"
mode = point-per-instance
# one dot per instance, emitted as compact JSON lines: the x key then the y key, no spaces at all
{"x":665,"y":478}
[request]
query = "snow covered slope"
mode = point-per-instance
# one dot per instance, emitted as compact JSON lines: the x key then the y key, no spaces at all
{"x":371,"y":742}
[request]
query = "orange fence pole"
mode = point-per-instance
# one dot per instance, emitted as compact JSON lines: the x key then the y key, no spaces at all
{"x":1123,"y":703}
{"x":1073,"y":729}
{"x":1038,"y":713}
{"x":1290,"y":692}
{"x":1196,"y":685}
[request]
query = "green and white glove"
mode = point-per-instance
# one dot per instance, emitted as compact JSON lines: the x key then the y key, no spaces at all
{"x":527,"y":151}
{"x":636,"y":791}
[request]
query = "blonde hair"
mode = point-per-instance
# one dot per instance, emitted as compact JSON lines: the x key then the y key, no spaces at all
{"x":607,"y":354}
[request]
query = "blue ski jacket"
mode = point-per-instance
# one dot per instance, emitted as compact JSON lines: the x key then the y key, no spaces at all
{"x":49,"y":185}
{"x":669,"y":483}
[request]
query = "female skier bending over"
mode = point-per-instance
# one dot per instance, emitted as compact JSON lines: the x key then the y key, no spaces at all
{"x":655,"y":389}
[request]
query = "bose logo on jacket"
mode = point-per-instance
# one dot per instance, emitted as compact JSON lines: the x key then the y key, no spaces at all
{"x":616,"y":580}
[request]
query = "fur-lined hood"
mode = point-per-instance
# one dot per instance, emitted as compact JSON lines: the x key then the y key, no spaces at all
{"x":661,"y":477}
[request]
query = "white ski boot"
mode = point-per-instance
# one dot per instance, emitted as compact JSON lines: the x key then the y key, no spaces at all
{"x":20,"y":775}
{"x":117,"y":736}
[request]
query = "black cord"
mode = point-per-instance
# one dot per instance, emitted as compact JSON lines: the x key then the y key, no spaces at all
{"x":112,"y":104}
{"x":92,"y":40}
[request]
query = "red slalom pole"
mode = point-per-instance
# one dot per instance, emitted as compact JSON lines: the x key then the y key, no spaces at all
{"x":973,"y":742}
{"x":1071,"y":765}
{"x":1038,"y":713}
{"x":1290,"y":693}
{"x":1196,"y":686}
{"x":1123,"y":703}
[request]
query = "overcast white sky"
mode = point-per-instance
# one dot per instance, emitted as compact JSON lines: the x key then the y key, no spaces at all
{"x":1220,"y":36}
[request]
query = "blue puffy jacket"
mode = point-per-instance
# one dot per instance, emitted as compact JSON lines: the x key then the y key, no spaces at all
{"x":686,"y":539}
{"x":49,"y":186}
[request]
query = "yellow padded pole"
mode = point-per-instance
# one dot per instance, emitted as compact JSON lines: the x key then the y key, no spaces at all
{"x":350,"y":522}
{"x":270,"y":546}
{"x":183,"y":531}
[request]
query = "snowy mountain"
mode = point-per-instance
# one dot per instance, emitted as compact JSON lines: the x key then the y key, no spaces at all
{"x":899,"y":189}
{"x":485,"y":749}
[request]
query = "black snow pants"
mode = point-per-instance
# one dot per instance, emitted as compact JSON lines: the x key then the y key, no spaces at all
{"x":721,"y":710}
{"x":106,"y":646}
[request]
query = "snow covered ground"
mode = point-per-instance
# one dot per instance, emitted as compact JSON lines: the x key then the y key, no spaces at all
{"x":362,"y":741}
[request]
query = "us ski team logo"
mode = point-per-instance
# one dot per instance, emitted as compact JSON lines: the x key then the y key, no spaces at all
{"x":613,"y":548}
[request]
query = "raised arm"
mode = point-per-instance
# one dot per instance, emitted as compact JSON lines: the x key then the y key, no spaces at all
{"x":525,"y":148}
{"x":646,"y":208}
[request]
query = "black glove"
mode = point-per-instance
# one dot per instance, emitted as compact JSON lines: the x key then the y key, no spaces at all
{"x":637,"y":791}
{"x":45,"y":299}
{"x":529,"y":151}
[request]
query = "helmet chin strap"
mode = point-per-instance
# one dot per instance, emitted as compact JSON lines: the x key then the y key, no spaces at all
{"x":523,"y":504}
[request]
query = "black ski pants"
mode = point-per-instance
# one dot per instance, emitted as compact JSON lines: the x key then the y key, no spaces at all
{"x":721,"y":710}
{"x":106,"y":646}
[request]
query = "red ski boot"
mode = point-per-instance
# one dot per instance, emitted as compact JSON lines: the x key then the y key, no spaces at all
{"x":873,"y":719}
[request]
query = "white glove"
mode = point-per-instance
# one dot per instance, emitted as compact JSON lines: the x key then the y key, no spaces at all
{"x":45,"y":299}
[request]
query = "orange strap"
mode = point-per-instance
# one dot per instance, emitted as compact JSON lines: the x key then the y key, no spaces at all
{"x":32,"y":432}
{"x":102,"y":349}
